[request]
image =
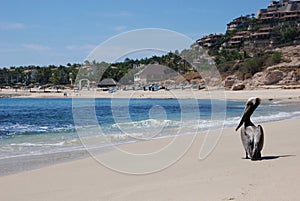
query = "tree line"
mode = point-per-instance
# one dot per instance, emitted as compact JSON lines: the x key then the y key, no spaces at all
{"x":92,"y":70}
{"x":38,"y":75}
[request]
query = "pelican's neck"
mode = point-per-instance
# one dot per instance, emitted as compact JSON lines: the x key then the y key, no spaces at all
{"x":248,"y":122}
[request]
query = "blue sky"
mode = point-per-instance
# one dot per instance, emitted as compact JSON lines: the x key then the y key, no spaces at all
{"x":44,"y":32}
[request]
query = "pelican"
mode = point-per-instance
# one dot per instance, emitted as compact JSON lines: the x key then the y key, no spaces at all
{"x":252,"y":136}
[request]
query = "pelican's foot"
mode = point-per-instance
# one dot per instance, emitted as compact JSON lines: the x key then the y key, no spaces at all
{"x":256,"y":158}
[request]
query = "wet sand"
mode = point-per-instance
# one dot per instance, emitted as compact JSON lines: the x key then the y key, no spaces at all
{"x":223,"y":175}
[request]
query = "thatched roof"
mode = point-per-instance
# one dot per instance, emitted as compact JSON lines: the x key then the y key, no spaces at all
{"x":156,"y":73}
{"x":108,"y":82}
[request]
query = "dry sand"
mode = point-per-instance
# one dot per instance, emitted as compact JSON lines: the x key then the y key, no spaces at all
{"x":224,"y":175}
{"x":265,"y":94}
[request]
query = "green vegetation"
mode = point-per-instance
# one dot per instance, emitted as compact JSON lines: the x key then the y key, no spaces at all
{"x":227,"y":61}
{"x":36,"y":75}
{"x":228,"y":55}
{"x":92,"y":70}
{"x":288,"y":34}
{"x":247,"y":67}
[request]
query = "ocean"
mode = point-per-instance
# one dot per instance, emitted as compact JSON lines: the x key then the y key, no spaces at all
{"x":36,"y":127}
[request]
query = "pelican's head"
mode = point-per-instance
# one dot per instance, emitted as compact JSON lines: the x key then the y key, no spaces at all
{"x":251,"y":105}
{"x":254,"y":101}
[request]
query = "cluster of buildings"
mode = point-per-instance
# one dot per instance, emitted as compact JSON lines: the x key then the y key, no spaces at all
{"x":147,"y":74}
{"x":251,"y":32}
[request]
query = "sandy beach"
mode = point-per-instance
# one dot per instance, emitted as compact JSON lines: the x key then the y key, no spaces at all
{"x":223,"y":175}
{"x":150,"y":101}
{"x":271,"y":93}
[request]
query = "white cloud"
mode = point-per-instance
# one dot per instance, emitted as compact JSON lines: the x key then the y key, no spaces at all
{"x":36,"y":47}
{"x":120,"y":28}
{"x":12,"y":26}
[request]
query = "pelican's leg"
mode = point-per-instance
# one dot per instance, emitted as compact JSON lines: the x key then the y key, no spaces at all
{"x":246,"y":155}
{"x":256,"y":156}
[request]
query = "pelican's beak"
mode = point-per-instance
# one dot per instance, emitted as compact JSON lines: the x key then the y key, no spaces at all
{"x":246,"y":113}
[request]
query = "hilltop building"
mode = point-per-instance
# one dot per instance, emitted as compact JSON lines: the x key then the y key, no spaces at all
{"x":263,"y":30}
{"x":284,"y":11}
{"x":209,"y":41}
{"x":239,"y":38}
{"x":279,"y":9}
{"x":238,"y":23}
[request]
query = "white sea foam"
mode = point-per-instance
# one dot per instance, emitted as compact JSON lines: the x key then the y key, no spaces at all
{"x":148,"y":123}
{"x":16,"y":128}
{"x":27,"y":144}
{"x":192,"y":125}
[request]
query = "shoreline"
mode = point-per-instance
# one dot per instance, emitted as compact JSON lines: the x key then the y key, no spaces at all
{"x":223,"y":175}
{"x":271,"y":94}
{"x":18,"y":164}
{"x":279,"y":95}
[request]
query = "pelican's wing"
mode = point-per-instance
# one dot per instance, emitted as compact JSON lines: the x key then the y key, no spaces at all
{"x":258,"y":141}
{"x":247,"y":139}
{"x":259,"y":137}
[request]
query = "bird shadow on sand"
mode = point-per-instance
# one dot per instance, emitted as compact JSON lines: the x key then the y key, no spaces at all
{"x":275,"y":157}
{"x":266,"y":158}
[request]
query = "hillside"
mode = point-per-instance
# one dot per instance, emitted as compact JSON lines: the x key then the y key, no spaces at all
{"x":285,"y":74}
{"x":258,"y":50}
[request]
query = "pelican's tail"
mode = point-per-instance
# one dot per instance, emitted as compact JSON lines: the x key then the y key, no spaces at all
{"x":256,"y":155}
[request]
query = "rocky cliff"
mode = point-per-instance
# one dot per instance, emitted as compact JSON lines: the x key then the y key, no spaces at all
{"x":285,"y":74}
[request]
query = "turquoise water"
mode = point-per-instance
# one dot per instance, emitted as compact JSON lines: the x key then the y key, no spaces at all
{"x":41,"y":126}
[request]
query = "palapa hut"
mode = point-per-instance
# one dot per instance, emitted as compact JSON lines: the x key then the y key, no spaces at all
{"x":106,"y":83}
